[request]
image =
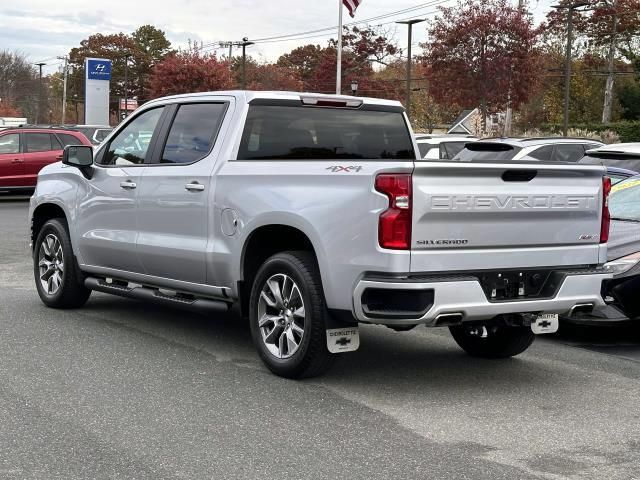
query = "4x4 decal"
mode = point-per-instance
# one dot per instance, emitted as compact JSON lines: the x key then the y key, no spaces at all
{"x":343,"y":168}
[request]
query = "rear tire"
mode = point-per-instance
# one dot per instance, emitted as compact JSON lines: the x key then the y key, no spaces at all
{"x":500,"y":342}
{"x":55,"y":269}
{"x":288,"y":316}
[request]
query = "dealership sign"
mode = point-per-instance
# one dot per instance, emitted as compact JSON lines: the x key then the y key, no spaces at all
{"x":97,"y":91}
{"x":98,"y":69}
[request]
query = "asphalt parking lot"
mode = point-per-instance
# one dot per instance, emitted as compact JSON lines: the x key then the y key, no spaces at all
{"x":121,"y":389}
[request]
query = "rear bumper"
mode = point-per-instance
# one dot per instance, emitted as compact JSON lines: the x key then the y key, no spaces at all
{"x":465,"y":296}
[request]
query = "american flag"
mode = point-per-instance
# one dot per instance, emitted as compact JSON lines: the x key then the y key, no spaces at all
{"x":352,"y":5}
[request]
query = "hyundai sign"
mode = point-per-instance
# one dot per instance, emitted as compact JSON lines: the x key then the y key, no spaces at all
{"x":98,"y":69}
{"x":97,"y":91}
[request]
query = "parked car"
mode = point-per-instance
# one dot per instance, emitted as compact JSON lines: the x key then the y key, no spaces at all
{"x":95,"y":133}
{"x":25,"y":151}
{"x":312,"y":214}
{"x":442,"y":147}
{"x":618,"y":155}
{"x":544,"y":149}
{"x":622,"y":292}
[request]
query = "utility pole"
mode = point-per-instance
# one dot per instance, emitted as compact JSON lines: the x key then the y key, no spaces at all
{"x":230,"y":46}
{"x":244,"y":44}
{"x":567,"y":62}
{"x":39,"y":105}
{"x":65,"y":73}
{"x":608,"y":92}
{"x":126,"y":84}
{"x":410,"y":24}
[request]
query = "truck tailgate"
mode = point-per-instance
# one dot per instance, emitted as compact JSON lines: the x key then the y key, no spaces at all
{"x":505,"y":215}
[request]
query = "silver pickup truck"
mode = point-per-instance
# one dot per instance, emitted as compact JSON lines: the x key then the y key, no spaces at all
{"x":311,"y":213}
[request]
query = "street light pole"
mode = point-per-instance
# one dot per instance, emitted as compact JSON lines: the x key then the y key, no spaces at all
{"x":410,"y":24}
{"x":244,"y":44}
{"x":39,"y":104}
{"x":567,"y":61}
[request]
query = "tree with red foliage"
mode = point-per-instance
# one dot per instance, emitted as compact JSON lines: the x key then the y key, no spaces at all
{"x":482,"y":54}
{"x":189,"y":71}
{"x":316,"y":66}
{"x":8,"y":110}
{"x":272,"y":77}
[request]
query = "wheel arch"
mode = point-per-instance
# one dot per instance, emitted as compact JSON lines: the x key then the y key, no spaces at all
{"x":42,"y":214}
{"x":263,"y":242}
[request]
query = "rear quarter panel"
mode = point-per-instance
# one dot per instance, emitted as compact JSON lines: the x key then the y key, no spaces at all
{"x":337,"y":210}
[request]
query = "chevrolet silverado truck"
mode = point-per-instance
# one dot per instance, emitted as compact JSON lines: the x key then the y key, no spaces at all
{"x":313,"y":214}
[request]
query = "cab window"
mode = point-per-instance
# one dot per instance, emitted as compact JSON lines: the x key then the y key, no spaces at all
{"x":131,"y":145}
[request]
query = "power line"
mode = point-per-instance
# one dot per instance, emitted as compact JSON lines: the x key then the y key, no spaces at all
{"x":317,"y":33}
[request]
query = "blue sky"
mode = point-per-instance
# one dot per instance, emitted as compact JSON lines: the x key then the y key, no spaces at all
{"x":44,"y":30}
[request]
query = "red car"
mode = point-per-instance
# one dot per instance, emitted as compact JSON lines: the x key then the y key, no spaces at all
{"x":25,"y":151}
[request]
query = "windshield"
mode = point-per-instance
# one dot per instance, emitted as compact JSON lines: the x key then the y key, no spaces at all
{"x":467,"y":155}
{"x":624,"y":202}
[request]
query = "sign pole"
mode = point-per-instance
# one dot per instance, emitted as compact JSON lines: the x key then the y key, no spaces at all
{"x":339,"y":66}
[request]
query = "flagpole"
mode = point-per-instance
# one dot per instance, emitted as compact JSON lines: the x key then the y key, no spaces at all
{"x":339,"y":66}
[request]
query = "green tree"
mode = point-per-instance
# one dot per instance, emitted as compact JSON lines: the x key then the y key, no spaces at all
{"x":152,"y":47}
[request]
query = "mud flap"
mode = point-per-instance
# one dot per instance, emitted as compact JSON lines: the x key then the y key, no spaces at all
{"x":547,"y":323}
{"x":343,"y":334}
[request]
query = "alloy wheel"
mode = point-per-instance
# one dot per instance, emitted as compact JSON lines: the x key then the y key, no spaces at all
{"x":281,"y":316}
{"x":51,"y":264}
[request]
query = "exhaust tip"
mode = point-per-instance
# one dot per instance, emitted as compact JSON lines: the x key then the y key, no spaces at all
{"x":449,"y":319}
{"x":581,"y":308}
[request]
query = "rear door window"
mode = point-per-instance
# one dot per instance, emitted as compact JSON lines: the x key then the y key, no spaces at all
{"x":193,"y":132}
{"x":38,"y":142}
{"x":424,"y":149}
{"x":307,"y":133}
{"x":448,"y":150}
{"x":67,"y":139}
{"x":544,"y":154}
{"x":568,"y":153}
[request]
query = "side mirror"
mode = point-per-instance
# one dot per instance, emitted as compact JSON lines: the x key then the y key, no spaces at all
{"x":80,"y":156}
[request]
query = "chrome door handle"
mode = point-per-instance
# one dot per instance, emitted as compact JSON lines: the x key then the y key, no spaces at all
{"x":194,"y":187}
{"x":128,"y":185}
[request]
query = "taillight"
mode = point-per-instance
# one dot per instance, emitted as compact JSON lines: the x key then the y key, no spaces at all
{"x":394,"y":226}
{"x":606,"y":216}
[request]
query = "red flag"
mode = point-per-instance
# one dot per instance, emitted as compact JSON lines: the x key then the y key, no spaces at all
{"x":352,"y":5}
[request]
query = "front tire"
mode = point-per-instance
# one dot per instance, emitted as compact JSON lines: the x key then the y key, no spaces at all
{"x":288,"y":316}
{"x":55,"y":270}
{"x":494,"y":341}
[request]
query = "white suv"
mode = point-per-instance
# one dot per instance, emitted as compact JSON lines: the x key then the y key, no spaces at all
{"x":442,"y":147}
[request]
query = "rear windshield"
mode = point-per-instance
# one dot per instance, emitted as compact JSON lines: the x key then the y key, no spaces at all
{"x":300,"y":133}
{"x":630,"y":163}
{"x":467,"y":155}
